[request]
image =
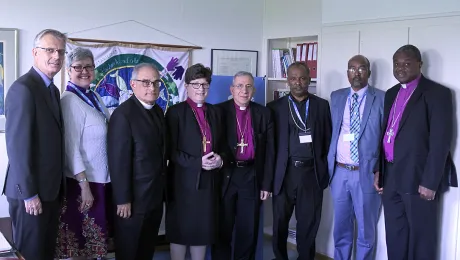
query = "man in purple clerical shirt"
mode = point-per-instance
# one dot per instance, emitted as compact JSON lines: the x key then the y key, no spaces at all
{"x":416,"y":163}
{"x":248,"y":179}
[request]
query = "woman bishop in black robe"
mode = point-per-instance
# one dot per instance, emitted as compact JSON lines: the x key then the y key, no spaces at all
{"x":196,"y":138}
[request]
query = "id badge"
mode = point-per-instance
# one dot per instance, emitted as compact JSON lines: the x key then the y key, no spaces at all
{"x":348,"y":137}
{"x":304,"y":138}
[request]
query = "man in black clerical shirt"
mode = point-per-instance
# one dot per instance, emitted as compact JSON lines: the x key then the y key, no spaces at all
{"x":136,"y":141}
{"x":303,"y":132}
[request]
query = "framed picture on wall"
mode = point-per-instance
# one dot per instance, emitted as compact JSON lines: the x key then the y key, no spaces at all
{"x":8,"y":66}
{"x":226,"y":62}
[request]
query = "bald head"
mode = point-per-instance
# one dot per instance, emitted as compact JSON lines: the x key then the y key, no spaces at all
{"x":359,"y":71}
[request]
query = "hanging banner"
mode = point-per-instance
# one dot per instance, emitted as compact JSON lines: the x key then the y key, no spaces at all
{"x":114,"y":66}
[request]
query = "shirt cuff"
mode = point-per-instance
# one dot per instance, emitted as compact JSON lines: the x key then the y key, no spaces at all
{"x":31,"y":198}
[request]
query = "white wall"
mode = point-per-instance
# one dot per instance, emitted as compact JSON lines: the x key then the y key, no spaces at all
{"x":337,"y":11}
{"x":235,"y":24}
{"x":291,"y":18}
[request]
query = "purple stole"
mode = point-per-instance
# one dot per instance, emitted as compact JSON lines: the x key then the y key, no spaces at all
{"x":205,"y":129}
{"x":87,"y":93}
{"x":244,"y":134}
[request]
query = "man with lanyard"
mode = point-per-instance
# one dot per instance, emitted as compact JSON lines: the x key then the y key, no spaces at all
{"x":248,"y":179}
{"x":356,"y":130}
{"x":303,"y":133}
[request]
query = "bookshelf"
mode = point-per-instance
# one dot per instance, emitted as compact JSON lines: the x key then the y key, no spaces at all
{"x":276,"y":71}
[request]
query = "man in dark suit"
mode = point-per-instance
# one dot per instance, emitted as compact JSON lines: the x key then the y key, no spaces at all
{"x":303,"y":134}
{"x":248,"y":177}
{"x":137,"y":163}
{"x":416,"y":164}
{"x":34,"y":144}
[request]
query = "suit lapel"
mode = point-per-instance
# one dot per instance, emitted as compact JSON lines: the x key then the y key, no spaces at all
{"x":45,"y":92}
{"x":232,"y":128}
{"x":256,"y":119}
{"x":210,"y":117}
{"x":367,"y":110}
{"x":312,"y":109}
{"x":340,"y":110}
{"x":387,"y":106}
{"x":284,"y":120}
{"x":410,"y":104}
{"x":190,"y":118}
{"x":160,"y":115}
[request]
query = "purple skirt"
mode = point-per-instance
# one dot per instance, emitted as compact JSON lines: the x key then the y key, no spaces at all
{"x":86,"y":233}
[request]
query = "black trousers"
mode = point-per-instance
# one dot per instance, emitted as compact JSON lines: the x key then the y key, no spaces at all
{"x":300,"y":190}
{"x":411,"y":223}
{"x":35,"y":236}
{"x":239,"y":213}
{"x":136,"y":237}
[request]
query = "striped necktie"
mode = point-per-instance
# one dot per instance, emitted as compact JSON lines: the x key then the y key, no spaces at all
{"x":354,"y":127}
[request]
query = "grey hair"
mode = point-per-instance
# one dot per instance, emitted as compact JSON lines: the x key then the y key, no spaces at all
{"x":79,"y":54}
{"x":140,"y":66}
{"x":55,"y":33}
{"x":242,"y":74}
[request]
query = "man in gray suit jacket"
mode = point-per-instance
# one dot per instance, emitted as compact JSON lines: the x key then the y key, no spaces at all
{"x":357,"y":114}
{"x":34,"y":144}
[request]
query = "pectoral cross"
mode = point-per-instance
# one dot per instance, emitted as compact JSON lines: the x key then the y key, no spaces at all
{"x":390,"y":134}
{"x":242,"y":145}
{"x":204,"y":143}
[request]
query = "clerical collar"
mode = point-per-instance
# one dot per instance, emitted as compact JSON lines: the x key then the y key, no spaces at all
{"x":145,"y":105}
{"x":194,"y":105}
{"x":238,"y":107}
{"x":412,"y":83}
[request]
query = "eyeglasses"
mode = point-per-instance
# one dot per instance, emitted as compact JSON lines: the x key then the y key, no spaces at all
{"x":80,"y":68}
{"x":147,"y":83}
{"x":248,"y":87}
{"x":198,"y":85}
{"x":51,"y":51}
{"x":361,"y":70}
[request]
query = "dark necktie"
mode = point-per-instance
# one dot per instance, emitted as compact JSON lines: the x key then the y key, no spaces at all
{"x":54,"y":99}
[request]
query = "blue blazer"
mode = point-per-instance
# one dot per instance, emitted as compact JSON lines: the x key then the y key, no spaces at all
{"x":371,"y":128}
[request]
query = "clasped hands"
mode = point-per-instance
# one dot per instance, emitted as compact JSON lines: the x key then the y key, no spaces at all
{"x":425,"y":193}
{"x":211,"y":161}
